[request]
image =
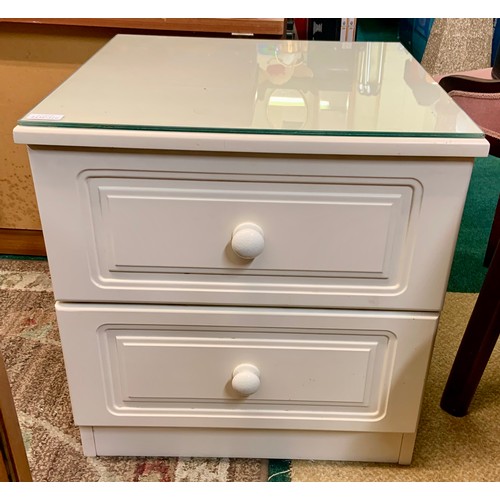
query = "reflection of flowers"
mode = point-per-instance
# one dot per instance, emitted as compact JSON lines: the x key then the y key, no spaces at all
{"x":278,"y":73}
{"x":286,"y":61}
{"x":293,"y":58}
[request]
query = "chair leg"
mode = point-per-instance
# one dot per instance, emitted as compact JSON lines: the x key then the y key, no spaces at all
{"x":477,"y":344}
{"x":494,"y":236}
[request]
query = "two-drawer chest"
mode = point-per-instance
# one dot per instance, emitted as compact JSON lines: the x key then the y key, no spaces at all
{"x":249,"y":243}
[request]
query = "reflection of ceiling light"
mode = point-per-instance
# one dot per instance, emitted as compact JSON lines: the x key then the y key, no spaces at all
{"x":295,"y":101}
{"x":286,"y":101}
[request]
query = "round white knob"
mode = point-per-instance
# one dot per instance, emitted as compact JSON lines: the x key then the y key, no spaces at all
{"x":248,"y":240}
{"x":246,"y":379}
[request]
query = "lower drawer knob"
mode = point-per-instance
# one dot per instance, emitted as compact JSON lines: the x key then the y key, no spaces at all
{"x":248,"y":240}
{"x":246,"y":379}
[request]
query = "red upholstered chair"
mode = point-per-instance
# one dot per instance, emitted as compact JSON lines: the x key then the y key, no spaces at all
{"x":478,"y":94}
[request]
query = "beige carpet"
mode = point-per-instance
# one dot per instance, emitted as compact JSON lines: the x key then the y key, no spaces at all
{"x":447,"y":448}
{"x":29,"y":342}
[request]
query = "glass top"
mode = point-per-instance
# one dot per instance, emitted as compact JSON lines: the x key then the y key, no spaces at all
{"x":291,"y":87}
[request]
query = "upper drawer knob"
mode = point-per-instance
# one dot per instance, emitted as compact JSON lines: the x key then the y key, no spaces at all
{"x":246,"y":379}
{"x":248,"y":240}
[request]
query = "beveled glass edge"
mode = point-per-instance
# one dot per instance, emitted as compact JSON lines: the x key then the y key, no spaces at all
{"x":250,"y":131}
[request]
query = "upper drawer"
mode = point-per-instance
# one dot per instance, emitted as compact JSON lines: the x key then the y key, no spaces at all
{"x":283,"y":232}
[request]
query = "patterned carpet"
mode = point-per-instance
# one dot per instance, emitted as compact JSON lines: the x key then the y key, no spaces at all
{"x":29,"y":342}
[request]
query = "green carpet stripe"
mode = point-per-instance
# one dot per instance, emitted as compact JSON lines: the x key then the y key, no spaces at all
{"x":279,"y":471}
{"x":467,"y":271}
{"x":22,"y":257}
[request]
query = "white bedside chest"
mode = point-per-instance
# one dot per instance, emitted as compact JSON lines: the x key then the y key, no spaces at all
{"x":249,"y":243}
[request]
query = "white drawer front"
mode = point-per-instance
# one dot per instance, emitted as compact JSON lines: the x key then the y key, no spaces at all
{"x":150,"y":366}
{"x":160,"y":228}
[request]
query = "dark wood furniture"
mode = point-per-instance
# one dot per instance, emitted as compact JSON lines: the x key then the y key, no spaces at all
{"x":480,"y":336}
{"x":13,"y":461}
{"x":480,"y":98}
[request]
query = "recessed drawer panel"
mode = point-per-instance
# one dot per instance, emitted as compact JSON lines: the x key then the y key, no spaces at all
{"x":146,"y":366}
{"x":173,"y":226}
{"x":260,"y":368}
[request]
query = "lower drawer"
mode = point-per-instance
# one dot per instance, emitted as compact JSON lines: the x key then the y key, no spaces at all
{"x":245,"y":367}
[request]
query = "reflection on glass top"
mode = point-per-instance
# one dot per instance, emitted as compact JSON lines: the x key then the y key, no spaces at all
{"x":254,"y":86}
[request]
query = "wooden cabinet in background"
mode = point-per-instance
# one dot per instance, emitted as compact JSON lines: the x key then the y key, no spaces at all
{"x":37,"y":56}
